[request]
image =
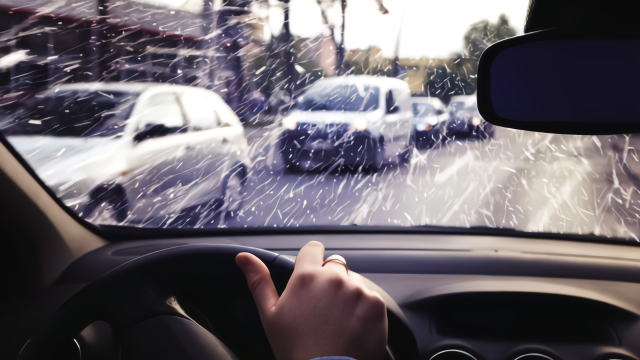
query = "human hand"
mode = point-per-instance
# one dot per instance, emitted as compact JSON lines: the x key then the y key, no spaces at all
{"x":324,"y":311}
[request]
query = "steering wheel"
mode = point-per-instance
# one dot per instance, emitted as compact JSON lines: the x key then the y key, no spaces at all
{"x":138,"y":299}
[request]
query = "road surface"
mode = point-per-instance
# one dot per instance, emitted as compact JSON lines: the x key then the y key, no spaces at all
{"x":521,"y":180}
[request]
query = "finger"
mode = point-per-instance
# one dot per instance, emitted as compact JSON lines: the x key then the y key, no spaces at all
{"x":310,"y":256}
{"x":259,"y":281}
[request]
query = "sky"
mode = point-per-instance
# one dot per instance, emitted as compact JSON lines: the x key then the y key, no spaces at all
{"x":432,"y":28}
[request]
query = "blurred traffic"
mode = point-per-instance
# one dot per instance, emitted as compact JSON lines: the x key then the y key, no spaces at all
{"x":356,"y":122}
{"x":206,"y":114}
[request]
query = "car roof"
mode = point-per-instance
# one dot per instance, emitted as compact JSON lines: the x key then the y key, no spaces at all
{"x":114,"y":86}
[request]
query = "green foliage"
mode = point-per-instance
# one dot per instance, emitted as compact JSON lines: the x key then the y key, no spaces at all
{"x":484,"y":33}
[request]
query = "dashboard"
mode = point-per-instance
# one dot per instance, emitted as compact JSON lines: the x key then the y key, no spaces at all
{"x":450,"y":297}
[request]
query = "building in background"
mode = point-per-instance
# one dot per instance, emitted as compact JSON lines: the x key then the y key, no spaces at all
{"x":441,"y":78}
{"x":222,"y":45}
{"x":45,"y":42}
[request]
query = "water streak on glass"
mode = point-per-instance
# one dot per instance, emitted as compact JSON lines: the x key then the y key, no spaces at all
{"x":240,"y":113}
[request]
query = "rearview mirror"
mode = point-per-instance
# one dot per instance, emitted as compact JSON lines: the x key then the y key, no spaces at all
{"x":564,"y":82}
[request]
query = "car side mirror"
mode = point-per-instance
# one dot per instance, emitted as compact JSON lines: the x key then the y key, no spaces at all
{"x":151,"y":131}
{"x":391,"y":105}
{"x":563,"y":81}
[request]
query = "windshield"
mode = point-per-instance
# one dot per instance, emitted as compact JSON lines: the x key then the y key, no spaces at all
{"x":255,"y":114}
{"x":70,"y":113}
{"x":348,"y":97}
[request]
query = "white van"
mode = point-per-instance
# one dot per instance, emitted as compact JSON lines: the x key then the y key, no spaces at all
{"x":358,"y":122}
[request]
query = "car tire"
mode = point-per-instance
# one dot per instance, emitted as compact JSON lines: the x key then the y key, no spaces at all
{"x":426,"y":141}
{"x":378,"y":156}
{"x":114,"y":197}
{"x":211,"y":211}
{"x":233,"y":188}
{"x":405,"y":156}
{"x":292,"y":164}
{"x":290,"y":154}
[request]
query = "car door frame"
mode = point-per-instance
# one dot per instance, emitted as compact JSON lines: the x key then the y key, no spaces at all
{"x":139,"y":155}
{"x":226,"y":142}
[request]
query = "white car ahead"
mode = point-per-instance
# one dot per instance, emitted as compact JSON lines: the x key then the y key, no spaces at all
{"x":145,"y":154}
{"x":352,"y":121}
{"x":466,"y":120}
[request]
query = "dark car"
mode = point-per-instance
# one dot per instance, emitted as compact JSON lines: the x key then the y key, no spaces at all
{"x":357,"y":122}
{"x":429,"y":113}
{"x":465,"y":120}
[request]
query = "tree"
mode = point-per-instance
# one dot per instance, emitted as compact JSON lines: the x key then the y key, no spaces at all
{"x":460,"y":78}
{"x":325,"y":5}
{"x":484,"y":33}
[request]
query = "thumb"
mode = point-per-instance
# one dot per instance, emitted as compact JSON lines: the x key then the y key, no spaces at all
{"x":259,"y":281}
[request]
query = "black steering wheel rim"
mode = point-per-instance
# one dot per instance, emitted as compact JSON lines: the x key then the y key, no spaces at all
{"x":143,"y":288}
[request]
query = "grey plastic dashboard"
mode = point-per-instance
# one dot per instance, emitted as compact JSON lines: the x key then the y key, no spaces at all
{"x":491,"y":297}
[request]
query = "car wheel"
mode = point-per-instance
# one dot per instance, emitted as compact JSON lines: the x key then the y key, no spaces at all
{"x":292,"y":166}
{"x":405,"y":156}
{"x":234,"y":189}
{"x":290,"y":154}
{"x":425,"y":141}
{"x":108,"y":203}
{"x":377,"y":154}
{"x":207,"y":213}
